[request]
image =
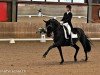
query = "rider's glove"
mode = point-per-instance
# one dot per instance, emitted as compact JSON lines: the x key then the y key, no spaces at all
{"x":61,"y":22}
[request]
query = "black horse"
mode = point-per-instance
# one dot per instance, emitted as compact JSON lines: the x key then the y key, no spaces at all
{"x":53,"y":26}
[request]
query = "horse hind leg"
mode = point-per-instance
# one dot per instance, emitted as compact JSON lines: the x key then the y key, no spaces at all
{"x":77,"y":49}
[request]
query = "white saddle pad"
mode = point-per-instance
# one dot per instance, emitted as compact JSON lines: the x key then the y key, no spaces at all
{"x":74,"y":35}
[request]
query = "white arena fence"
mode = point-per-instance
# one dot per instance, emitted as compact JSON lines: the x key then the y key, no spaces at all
{"x":13,"y":40}
{"x":49,"y":16}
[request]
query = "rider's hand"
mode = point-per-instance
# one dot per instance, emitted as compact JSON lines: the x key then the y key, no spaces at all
{"x":61,"y":22}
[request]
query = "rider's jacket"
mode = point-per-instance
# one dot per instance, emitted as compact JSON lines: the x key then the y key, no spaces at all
{"x":67,"y":18}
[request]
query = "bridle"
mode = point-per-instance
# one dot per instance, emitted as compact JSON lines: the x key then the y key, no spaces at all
{"x":51,"y":26}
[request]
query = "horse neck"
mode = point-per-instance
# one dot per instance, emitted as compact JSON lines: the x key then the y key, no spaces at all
{"x":56,"y":30}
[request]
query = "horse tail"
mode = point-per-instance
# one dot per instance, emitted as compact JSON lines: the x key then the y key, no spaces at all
{"x":86,"y":43}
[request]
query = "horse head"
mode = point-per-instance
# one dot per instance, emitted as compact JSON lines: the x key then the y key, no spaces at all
{"x":51,"y":26}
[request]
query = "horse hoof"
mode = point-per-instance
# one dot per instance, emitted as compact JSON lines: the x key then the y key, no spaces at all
{"x":86,"y":60}
{"x":75,"y":60}
{"x":61,"y":62}
{"x":44,"y":56}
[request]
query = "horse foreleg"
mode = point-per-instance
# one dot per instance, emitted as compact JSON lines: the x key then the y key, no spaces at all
{"x":52,"y":46}
{"x":77,"y":49}
{"x":86,"y":57}
{"x":60,"y":51}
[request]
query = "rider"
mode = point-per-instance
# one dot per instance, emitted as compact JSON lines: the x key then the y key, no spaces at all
{"x":67,"y":22}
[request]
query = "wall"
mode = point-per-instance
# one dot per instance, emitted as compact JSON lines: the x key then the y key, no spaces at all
{"x":9,"y":11}
{"x":40,"y":19}
{"x":28,"y":30}
{"x":95,"y":13}
{"x":58,"y":10}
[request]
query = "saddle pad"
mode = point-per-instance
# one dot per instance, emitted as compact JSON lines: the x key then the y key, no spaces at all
{"x":74,"y":35}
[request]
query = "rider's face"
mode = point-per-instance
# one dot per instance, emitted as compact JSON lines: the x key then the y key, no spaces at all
{"x":67,"y":9}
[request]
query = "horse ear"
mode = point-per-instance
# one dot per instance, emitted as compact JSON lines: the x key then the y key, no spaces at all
{"x":45,"y":21}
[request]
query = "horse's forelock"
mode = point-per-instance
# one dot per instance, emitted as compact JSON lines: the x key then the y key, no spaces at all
{"x":54,"y":21}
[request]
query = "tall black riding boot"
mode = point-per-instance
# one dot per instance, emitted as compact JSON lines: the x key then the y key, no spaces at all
{"x":71,"y":40}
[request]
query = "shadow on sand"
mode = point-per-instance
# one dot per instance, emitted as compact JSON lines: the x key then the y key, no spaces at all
{"x":58,"y":63}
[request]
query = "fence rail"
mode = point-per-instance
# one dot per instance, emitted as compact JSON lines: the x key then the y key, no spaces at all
{"x":49,"y":16}
{"x":13,"y":40}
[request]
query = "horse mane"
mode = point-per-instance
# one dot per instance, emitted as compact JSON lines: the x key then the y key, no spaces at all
{"x":55,"y":22}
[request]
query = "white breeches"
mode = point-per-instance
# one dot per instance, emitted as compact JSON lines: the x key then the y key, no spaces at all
{"x":69,"y":31}
{"x":68,"y":27}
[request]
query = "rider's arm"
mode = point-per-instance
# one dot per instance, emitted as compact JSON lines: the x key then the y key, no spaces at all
{"x":68,"y":17}
{"x":63,"y":17}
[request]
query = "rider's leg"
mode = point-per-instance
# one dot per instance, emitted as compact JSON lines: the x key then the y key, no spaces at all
{"x":71,"y":39}
{"x":69,"y":33}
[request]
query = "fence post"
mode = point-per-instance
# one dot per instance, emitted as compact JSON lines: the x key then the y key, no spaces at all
{"x":43,"y":38}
